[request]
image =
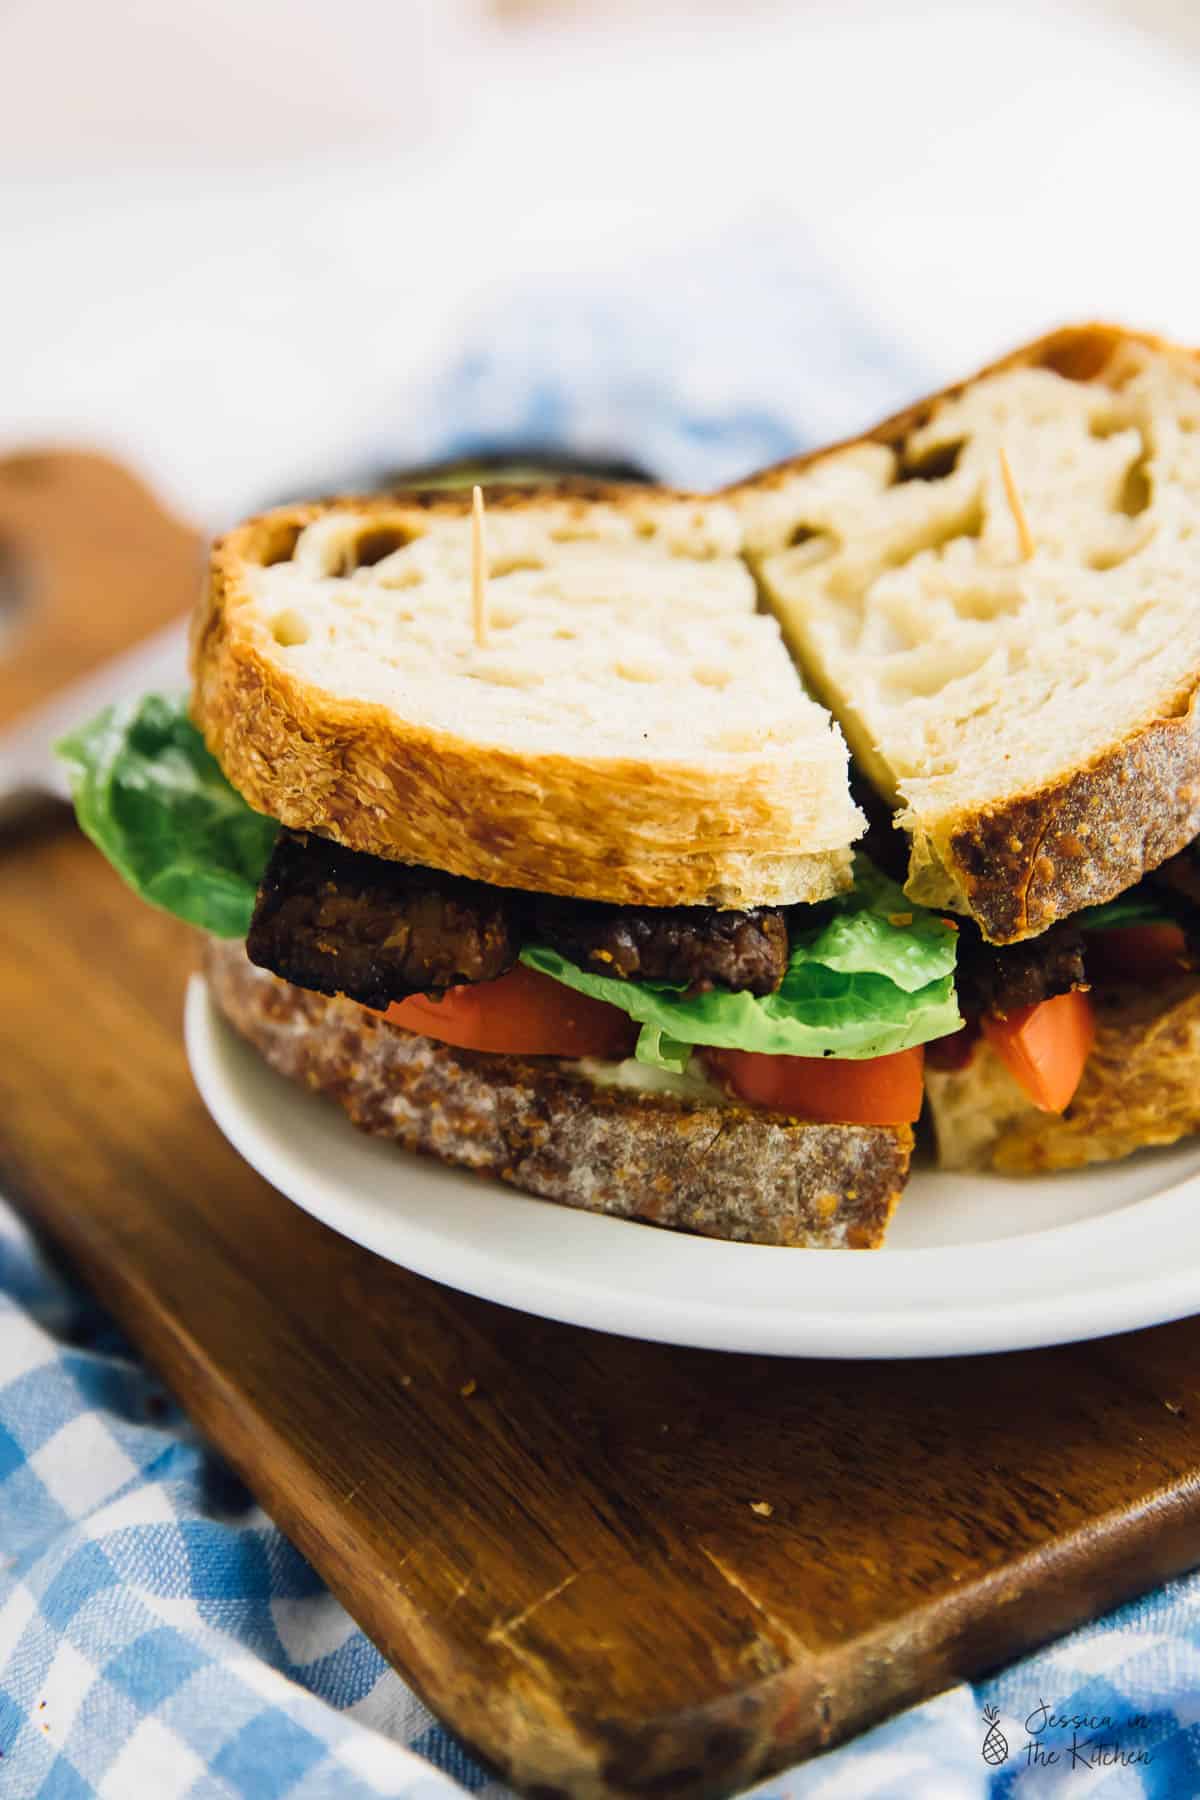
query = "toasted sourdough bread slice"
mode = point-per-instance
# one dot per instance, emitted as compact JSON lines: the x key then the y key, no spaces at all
{"x":706,"y":1165}
{"x":632,"y":730}
{"x":1140,"y":1086}
{"x":1035,"y":719}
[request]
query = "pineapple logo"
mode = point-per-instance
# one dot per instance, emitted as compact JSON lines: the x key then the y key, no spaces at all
{"x":995,"y":1744}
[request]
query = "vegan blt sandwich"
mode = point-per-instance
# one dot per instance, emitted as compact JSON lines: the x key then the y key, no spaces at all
{"x":542,"y":857}
{"x":535,"y":856}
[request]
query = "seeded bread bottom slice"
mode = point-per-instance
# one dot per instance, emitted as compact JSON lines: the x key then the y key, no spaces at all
{"x":721,"y":1170}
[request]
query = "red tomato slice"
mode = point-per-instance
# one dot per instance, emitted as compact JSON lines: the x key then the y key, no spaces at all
{"x":1044,"y":1047}
{"x":521,"y":1014}
{"x":1145,"y":952}
{"x":882,"y":1090}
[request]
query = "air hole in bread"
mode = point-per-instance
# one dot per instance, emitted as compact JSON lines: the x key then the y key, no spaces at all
{"x":1106,"y":425}
{"x":280,"y":545}
{"x":1111,"y":556}
{"x":404,"y":574}
{"x":1081,"y":357}
{"x":932,"y":465}
{"x":634,"y":671}
{"x":1128,"y":622}
{"x":984,"y":603}
{"x":513,"y":565}
{"x":566,"y":634}
{"x":1135,"y":489}
{"x":513,"y":678}
{"x":935,"y":535}
{"x":500,"y":618}
{"x":969,"y":524}
{"x":801,"y":535}
{"x":808,"y":547}
{"x":289,"y":628}
{"x":370,"y":547}
{"x":737,"y":743}
{"x":708,"y":675}
{"x":926,"y":672}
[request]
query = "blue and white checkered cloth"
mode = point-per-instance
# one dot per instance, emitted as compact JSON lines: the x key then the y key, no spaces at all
{"x":159,"y":1638}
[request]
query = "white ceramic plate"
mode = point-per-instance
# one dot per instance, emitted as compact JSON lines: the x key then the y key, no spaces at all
{"x":972,"y":1262}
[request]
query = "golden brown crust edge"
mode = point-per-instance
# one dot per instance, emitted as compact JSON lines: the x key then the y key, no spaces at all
{"x":1079,"y":840}
{"x":726,"y":1172}
{"x":608,"y":829}
{"x":1140,"y":1087}
{"x":1086,"y":838}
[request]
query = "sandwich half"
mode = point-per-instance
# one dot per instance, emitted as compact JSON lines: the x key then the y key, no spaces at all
{"x":995,"y":594}
{"x":562,"y":890}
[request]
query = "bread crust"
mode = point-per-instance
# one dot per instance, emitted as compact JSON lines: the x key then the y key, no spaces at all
{"x":1031,"y":858}
{"x":1086,"y":838}
{"x":643,"y":833}
{"x":1140,"y":1087}
{"x":537,"y":1123}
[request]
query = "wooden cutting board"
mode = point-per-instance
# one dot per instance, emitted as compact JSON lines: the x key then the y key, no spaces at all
{"x":614,"y":1568}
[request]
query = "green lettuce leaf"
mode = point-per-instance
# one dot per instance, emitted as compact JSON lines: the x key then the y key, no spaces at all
{"x":662,"y":1052}
{"x":875,"y":929}
{"x":154,"y":801}
{"x":871,"y":975}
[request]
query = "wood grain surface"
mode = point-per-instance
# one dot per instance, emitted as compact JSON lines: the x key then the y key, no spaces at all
{"x":615,"y":1568}
{"x":89,"y":561}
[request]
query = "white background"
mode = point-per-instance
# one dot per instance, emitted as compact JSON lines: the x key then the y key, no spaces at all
{"x":232,"y":229}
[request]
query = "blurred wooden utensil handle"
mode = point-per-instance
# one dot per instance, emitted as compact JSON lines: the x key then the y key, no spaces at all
{"x":91,"y":566}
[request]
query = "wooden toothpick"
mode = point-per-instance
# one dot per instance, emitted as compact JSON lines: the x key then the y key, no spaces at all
{"x":478,"y":569}
{"x":1028,"y":547}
